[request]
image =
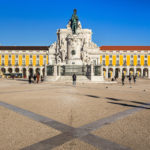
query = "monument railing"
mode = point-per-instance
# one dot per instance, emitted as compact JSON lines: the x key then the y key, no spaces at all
{"x":80,"y":70}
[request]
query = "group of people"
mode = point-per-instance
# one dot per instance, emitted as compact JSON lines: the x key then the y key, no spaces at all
{"x":36,"y":78}
{"x":129,"y":77}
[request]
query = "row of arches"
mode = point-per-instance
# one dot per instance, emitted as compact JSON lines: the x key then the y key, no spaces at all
{"x":117,"y":72}
{"x":24,"y":71}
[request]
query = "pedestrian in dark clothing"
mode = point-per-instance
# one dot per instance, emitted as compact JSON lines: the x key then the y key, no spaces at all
{"x":38,"y":78}
{"x":42,"y":79}
{"x":34,"y":77}
{"x":134,"y":79}
{"x":123,"y":77}
{"x":74,"y":77}
{"x":130,"y":79}
{"x":29,"y":79}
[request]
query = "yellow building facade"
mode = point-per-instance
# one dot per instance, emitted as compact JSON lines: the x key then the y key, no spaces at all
{"x":23,"y":60}
{"x":116,"y":60}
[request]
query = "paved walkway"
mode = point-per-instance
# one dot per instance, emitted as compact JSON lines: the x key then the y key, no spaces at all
{"x":83,"y":132}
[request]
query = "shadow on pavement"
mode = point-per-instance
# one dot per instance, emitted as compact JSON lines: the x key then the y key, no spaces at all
{"x":128,"y":105}
{"x":93,"y":96}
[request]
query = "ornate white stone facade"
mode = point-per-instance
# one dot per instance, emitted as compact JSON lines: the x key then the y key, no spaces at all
{"x":74,"y":49}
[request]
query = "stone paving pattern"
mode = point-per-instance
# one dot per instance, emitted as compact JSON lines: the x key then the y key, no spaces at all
{"x":75,"y":107}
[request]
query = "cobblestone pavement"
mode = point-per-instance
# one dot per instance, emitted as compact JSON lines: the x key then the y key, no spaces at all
{"x":60,"y":116}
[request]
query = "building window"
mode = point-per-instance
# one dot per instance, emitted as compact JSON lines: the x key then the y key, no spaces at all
{"x":110,"y":62}
{"x":117,"y":56}
{"x":9,"y":62}
{"x":145,"y":56}
{"x":23,"y":62}
{"x":37,"y":56}
{"x":138,"y":62}
{"x":3,"y":62}
{"x":30,"y":62}
{"x":131,"y":56}
{"x":145,"y":62}
{"x":16,"y":62}
{"x":117,"y":62}
{"x":30,"y":56}
{"x":16,"y":56}
{"x":124,"y":56}
{"x":23,"y":56}
{"x":2,"y":56}
{"x":37,"y":62}
{"x":110,"y":56}
{"x":131,"y":62}
{"x":138,"y":56}
{"x":103,"y":56}
{"x":103,"y":62}
{"x":9,"y":56}
{"x":45,"y":55}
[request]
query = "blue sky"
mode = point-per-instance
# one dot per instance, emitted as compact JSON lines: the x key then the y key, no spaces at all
{"x":113,"y":22}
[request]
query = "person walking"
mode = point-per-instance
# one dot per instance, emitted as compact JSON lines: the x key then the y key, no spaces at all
{"x":34,"y":77}
{"x":134,"y":79}
{"x":38,"y":77}
{"x":42,"y":79}
{"x":29,"y":79}
{"x":74,"y":77}
{"x":130,"y":78}
{"x":123,"y":77}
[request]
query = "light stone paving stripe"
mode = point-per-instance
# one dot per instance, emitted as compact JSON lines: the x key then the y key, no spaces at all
{"x":101,"y":143}
{"x":108,"y":120}
{"x":45,"y":120}
{"x":70,"y":133}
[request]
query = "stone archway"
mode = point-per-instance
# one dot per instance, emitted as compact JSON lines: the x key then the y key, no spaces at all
{"x":24,"y":72}
{"x":43,"y":71}
{"x":124,"y":71}
{"x":37,"y":71}
{"x":117,"y":72}
{"x":3,"y":70}
{"x":110,"y":72}
{"x":31,"y":71}
{"x":138,"y":71}
{"x":17,"y":70}
{"x":10,"y":70}
{"x":131,"y":71}
{"x":104,"y":72}
{"x":145,"y":72}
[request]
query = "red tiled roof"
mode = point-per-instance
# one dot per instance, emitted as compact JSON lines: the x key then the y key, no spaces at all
{"x":24,"y":47}
{"x":132,"y":48}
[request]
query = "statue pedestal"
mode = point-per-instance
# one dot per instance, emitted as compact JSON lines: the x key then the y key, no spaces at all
{"x":75,"y":62}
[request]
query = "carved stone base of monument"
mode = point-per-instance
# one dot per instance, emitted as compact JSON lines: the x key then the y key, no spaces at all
{"x":74,"y":62}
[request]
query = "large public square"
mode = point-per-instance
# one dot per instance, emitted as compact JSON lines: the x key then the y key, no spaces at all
{"x":60,"y":116}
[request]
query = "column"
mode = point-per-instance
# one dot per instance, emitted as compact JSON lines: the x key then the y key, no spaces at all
{"x":45,"y":70}
{"x":55,"y":70}
{"x":92,"y":72}
{"x":101,"y":70}
{"x":41,"y":73}
{"x":106,"y":75}
{"x":27,"y":72}
{"x":134,"y":70}
{"x":141,"y":72}
{"x":149,"y":73}
{"x":59,"y":67}
{"x":113,"y":72}
{"x":127,"y":71}
{"x":13,"y":70}
{"x":120,"y":73}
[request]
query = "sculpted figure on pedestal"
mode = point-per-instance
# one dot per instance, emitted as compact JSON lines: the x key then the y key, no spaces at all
{"x":74,"y":21}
